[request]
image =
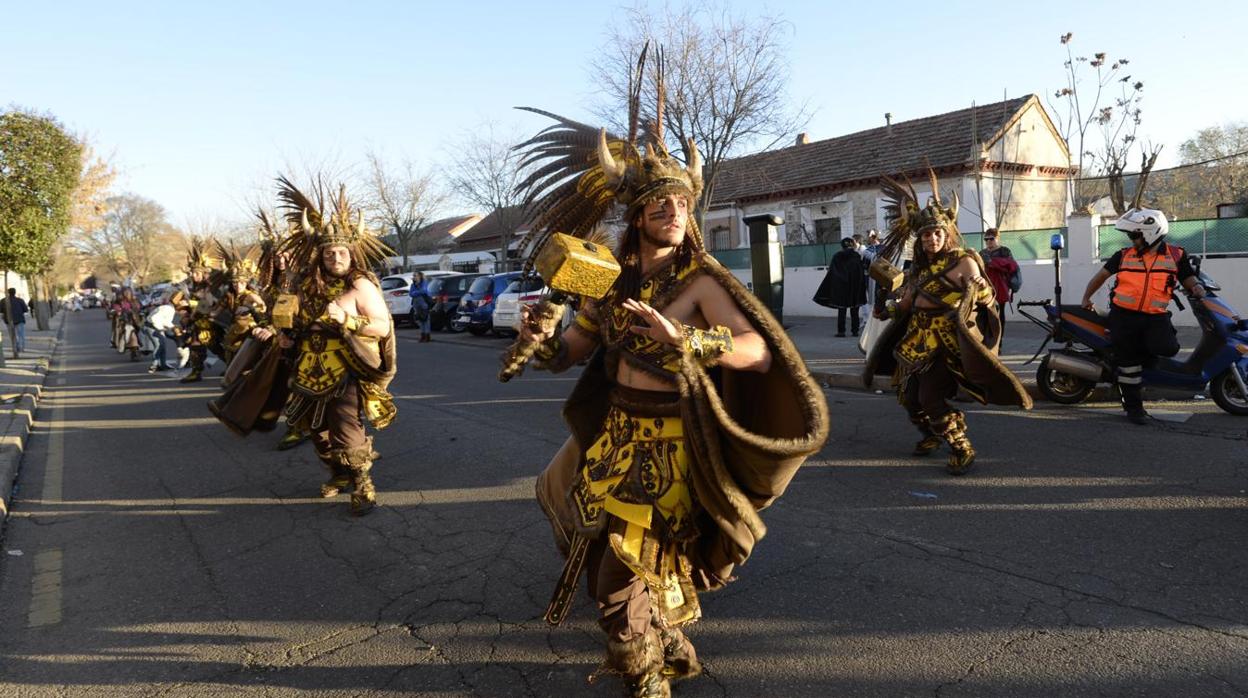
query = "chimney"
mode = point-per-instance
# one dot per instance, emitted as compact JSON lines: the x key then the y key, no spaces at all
{"x":888,"y":122}
{"x":802,"y":138}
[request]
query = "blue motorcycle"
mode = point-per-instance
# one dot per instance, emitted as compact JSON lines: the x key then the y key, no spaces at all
{"x":1219,"y":364}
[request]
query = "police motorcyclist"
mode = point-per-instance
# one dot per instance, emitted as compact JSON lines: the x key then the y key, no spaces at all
{"x":1139,"y":317}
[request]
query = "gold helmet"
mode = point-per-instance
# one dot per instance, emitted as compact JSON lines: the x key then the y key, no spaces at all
{"x":906,"y":218}
{"x":315,"y":226}
{"x":578,"y":172}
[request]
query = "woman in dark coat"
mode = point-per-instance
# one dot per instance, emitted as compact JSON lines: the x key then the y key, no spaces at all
{"x":845,"y":286}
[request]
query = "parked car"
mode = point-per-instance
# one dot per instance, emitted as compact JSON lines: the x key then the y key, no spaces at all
{"x":476,"y":307}
{"x":446,"y":292}
{"x":521,"y":293}
{"x":395,"y":290}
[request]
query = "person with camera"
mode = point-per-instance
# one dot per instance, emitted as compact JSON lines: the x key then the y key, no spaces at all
{"x":1139,"y":317}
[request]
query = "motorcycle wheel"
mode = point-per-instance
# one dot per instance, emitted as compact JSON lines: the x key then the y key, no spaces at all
{"x":1060,"y":387}
{"x":1226,"y":393}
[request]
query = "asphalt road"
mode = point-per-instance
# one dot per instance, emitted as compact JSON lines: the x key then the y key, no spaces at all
{"x":151,"y":552}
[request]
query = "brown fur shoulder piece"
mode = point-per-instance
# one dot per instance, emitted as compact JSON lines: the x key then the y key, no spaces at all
{"x":750,"y":432}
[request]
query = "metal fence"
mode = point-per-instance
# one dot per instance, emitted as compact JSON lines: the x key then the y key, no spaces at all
{"x":1024,"y":244}
{"x":1205,"y":236}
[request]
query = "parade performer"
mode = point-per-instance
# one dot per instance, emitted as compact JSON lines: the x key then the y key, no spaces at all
{"x":946,"y":333}
{"x":343,"y":341}
{"x":244,"y":307}
{"x":197,"y":304}
{"x":693,"y":414}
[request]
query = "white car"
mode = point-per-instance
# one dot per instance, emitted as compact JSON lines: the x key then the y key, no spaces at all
{"x":395,"y":290}
{"x":521,"y":292}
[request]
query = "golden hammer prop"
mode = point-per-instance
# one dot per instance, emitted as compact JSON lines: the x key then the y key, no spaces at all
{"x":570,"y":266}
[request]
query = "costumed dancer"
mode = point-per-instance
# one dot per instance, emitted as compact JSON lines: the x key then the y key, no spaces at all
{"x":197,"y":304}
{"x":344,"y":341}
{"x":946,"y":332}
{"x":244,"y":307}
{"x":693,"y":414}
{"x":277,"y":279}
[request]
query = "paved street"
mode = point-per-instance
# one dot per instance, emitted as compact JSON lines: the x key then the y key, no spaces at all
{"x":152,"y":552}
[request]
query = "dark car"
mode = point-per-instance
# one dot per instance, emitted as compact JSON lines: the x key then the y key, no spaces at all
{"x":476,"y":307}
{"x":446,"y":292}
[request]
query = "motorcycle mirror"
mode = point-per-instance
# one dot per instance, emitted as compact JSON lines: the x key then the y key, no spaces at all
{"x":1056,"y":242}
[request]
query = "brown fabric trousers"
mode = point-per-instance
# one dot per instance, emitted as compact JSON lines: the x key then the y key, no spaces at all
{"x":926,"y":394}
{"x":623,"y":600}
{"x":343,"y":428}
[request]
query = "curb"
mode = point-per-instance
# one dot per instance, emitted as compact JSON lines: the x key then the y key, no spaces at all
{"x":17,"y":429}
{"x":853,"y":381}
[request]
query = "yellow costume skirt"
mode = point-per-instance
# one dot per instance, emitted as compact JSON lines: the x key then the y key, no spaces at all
{"x":637,"y":471}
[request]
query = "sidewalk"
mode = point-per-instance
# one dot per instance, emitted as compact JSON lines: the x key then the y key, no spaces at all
{"x":21,"y":386}
{"x":837,"y":363}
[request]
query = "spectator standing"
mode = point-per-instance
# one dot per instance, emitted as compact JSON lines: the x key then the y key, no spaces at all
{"x":1000,"y":267}
{"x":421,"y":303}
{"x":18,"y":307}
{"x":844,"y":287}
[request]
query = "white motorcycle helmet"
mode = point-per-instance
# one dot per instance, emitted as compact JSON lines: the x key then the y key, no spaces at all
{"x":1149,"y":222}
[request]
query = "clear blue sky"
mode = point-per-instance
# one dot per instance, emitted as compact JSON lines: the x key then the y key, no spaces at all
{"x":201,"y":103}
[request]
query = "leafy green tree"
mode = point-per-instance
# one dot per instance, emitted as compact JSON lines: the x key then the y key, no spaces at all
{"x":39,"y":167}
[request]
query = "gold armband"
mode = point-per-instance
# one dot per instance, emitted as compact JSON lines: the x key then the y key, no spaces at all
{"x":355,"y":323}
{"x":707,"y":345}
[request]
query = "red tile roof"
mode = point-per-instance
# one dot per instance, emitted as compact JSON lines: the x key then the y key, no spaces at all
{"x":944,"y":140}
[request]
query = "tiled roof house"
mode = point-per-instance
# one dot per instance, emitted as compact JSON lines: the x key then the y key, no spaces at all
{"x":1005,"y":160}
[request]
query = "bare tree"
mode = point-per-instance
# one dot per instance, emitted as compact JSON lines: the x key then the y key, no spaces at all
{"x":135,"y":241}
{"x":401,"y":200}
{"x":485,"y":172}
{"x":1087,"y":112}
{"x":1220,"y":155}
{"x":726,"y":78}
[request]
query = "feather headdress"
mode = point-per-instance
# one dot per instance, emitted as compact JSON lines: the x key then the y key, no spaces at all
{"x":313,"y":227}
{"x":239,"y":266}
{"x":199,"y":255}
{"x":269,"y":267}
{"x":576,"y":172}
{"x":907,"y":218}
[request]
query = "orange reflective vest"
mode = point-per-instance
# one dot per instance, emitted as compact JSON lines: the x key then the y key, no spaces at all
{"x":1146,"y":280}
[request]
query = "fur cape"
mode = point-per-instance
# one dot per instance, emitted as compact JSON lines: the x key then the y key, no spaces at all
{"x":979,"y":340}
{"x":748,"y":433}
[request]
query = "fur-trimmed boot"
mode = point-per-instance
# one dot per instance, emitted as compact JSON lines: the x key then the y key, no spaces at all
{"x":360,"y":462}
{"x":680,"y":659}
{"x":197,"y":366}
{"x":639,"y":662}
{"x":339,"y":474}
{"x":953,"y":428}
{"x":930,"y":441}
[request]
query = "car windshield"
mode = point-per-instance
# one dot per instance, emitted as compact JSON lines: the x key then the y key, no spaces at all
{"x":481,"y":285}
{"x":435,"y":286}
{"x":392,"y":282}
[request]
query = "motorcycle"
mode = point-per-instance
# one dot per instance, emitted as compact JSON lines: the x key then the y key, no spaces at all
{"x":1219,"y":364}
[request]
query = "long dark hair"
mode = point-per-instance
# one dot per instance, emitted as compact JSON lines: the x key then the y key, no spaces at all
{"x":628,"y":283}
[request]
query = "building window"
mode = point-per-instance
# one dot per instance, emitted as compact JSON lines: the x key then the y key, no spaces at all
{"x":827,"y":231}
{"x":721,"y":238}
